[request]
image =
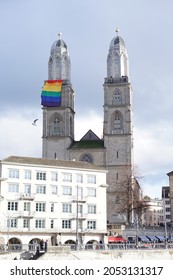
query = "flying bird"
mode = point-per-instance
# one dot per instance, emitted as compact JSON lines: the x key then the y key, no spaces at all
{"x":34,"y":122}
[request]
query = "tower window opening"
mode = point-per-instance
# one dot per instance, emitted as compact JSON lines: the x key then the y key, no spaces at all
{"x":56,"y":126}
{"x":117,"y":97}
{"x":117,"y":122}
{"x":87,"y":158}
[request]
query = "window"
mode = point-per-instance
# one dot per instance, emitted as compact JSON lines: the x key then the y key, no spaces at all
{"x":40,"y":223}
{"x":117,"y":97}
{"x":91,"y":192}
{"x":41,"y":176}
{"x":80,"y":192}
{"x":51,"y":223}
{"x":26,"y":223}
{"x":12,"y":187}
{"x":66,"y":224}
{"x":54,"y":189}
{"x":80,"y":224}
{"x":12,"y":205}
{"x":14,"y":173}
{"x":67,"y":190}
{"x":67,"y":177}
{"x":28,"y":174}
{"x":41,"y":189}
{"x":12,"y":223}
{"x":56,"y":126}
{"x":79,"y":178}
{"x":54,"y":176}
{"x":52,"y":207}
{"x":27,"y":189}
{"x":92,"y":209}
{"x":80,"y":209}
{"x":40,"y":207}
{"x":91,"y":224}
{"x":87,"y":158}
{"x":66,"y":208}
{"x":117,"y":122}
{"x":91,"y":179}
{"x":26,"y":206}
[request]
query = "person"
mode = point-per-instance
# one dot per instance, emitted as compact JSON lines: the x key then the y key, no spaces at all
{"x":41,"y":244}
{"x":45,"y":245}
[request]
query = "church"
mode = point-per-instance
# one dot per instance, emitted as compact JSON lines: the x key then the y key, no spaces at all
{"x":114,"y":151}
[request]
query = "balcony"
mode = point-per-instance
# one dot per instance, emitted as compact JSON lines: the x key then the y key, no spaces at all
{"x":81,"y":216}
{"x":26,"y":214}
{"x":26,"y":196}
{"x":80,"y":199}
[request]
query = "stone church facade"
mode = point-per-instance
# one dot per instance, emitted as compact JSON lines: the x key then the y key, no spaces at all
{"x":115,"y":150}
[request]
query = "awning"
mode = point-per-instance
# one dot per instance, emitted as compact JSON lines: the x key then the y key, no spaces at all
{"x":161,"y":238}
{"x":152,"y":238}
{"x":116,"y":239}
{"x":143,"y":238}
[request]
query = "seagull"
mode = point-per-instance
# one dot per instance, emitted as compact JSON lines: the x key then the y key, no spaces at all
{"x":34,"y":122}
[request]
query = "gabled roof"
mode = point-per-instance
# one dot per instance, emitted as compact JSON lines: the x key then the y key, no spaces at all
{"x":90,"y":135}
{"x":90,"y":140}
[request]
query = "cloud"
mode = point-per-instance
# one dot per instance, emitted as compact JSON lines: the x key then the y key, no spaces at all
{"x":153,"y":147}
{"x":18,"y":135}
{"x":92,"y":121}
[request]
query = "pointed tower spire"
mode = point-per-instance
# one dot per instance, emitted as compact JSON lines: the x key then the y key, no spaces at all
{"x":59,"y":66}
{"x":117,"y":60}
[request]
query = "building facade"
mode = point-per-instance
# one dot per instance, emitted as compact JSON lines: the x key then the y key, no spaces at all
{"x":115,"y":150}
{"x":63,"y":202}
{"x":154,"y":213}
{"x":166,"y":204}
{"x":170,"y":174}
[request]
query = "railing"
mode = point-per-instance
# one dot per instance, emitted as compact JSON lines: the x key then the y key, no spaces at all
{"x":122,"y":246}
{"x":26,"y":196}
{"x":27,"y":214}
{"x":92,"y":247}
{"x":17,"y":247}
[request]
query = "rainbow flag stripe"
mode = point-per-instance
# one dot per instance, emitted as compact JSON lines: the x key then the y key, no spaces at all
{"x":51,"y":93}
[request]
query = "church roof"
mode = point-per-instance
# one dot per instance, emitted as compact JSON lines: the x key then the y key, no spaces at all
{"x":89,"y":140}
{"x":90,"y":135}
{"x":91,"y":144}
{"x":59,"y":46}
{"x":117,"y":42}
{"x":50,"y":162}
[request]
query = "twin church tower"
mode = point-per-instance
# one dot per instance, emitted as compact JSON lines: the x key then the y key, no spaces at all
{"x":115,"y":150}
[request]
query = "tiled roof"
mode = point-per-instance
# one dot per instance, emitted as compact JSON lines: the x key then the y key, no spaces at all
{"x":51,"y":162}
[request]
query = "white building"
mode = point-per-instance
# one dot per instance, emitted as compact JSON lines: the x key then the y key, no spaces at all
{"x":154,"y":215}
{"x":39,"y":199}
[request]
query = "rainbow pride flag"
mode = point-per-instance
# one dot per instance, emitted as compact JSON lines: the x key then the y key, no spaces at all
{"x":51,"y":93}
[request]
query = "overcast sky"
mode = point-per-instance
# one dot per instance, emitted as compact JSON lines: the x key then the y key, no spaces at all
{"x":27,"y":32}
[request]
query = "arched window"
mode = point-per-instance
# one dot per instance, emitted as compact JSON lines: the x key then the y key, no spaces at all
{"x":117,"y":121}
{"x":87,"y":158}
{"x":71,"y":127}
{"x":56,"y":125}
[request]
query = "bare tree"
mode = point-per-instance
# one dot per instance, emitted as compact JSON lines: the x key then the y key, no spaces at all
{"x":128,"y":194}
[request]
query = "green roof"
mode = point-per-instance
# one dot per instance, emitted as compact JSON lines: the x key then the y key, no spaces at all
{"x":88,"y":144}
